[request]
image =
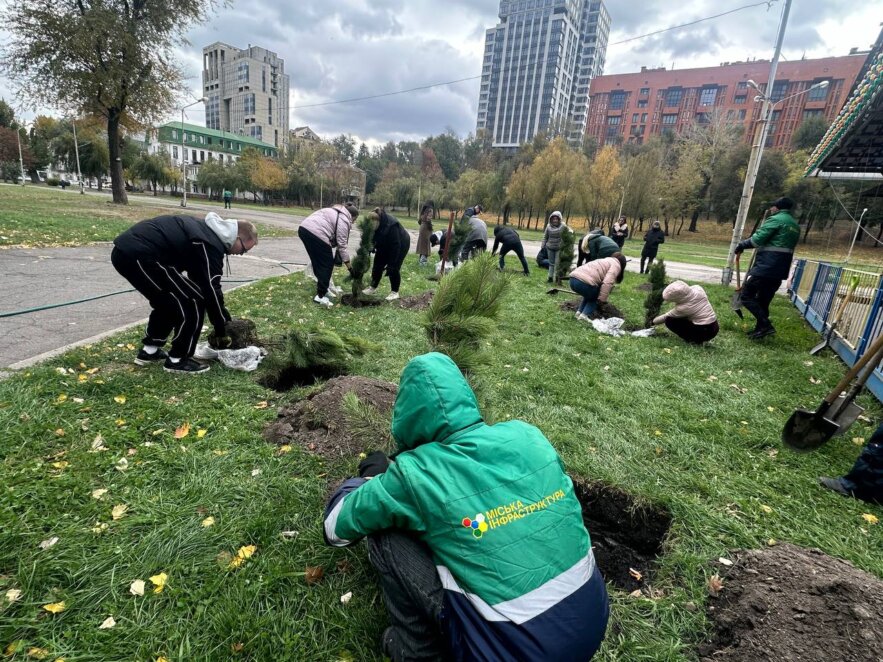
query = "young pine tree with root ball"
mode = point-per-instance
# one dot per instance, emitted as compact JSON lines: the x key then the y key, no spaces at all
{"x":361,"y":263}
{"x":566,"y":255}
{"x":653,"y":302}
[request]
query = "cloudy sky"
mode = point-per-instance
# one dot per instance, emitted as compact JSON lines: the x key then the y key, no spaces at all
{"x":340,"y":49}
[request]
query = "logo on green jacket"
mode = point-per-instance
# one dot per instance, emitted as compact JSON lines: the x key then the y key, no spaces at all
{"x":506,"y":514}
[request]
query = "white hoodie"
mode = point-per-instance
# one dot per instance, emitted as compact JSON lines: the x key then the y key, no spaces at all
{"x":227,"y":229}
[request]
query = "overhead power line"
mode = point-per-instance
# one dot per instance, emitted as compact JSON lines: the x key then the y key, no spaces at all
{"x":768,"y":3}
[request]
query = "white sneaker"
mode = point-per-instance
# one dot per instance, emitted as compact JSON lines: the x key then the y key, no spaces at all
{"x":582,"y":317}
{"x":369,"y":290}
{"x":331,"y":293}
{"x":392,"y":296}
{"x":323,"y":301}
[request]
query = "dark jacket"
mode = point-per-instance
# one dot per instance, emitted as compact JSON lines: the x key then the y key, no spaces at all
{"x":543,"y":258}
{"x":186,"y":244}
{"x":506,"y":236}
{"x":597,"y":246}
{"x":652,"y":238}
{"x":774,"y":242}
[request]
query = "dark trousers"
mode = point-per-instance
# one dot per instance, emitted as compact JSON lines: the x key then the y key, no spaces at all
{"x":865,"y":480}
{"x":176,"y":302}
{"x":413,"y":595}
{"x":692,"y":333}
{"x":757,"y":294}
{"x":589,"y":294}
{"x":471,"y":248}
{"x":649,"y":257}
{"x":391,"y":258}
{"x":516,"y":248}
{"x":321,"y":257}
{"x":227,"y":203}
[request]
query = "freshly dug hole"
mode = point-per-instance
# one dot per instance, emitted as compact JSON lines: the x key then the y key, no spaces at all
{"x":293,"y":377}
{"x":361,"y":302}
{"x":625,"y":536}
{"x":791,"y":603}
{"x":318,"y":423}
{"x":417,"y":301}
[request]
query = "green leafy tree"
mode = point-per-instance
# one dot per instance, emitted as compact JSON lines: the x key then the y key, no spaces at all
{"x":449,"y":151}
{"x":7,"y":115}
{"x":809,"y":133}
{"x":113,"y":58}
{"x":154,"y":168}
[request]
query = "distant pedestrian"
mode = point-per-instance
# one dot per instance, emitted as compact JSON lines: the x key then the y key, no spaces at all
{"x":620,"y":231}
{"x":509,"y":240}
{"x":692,"y":318}
{"x":552,"y":241}
{"x":177,"y":262}
{"x":595,"y":246}
{"x":228,"y":199}
{"x":323,"y":232}
{"x":774,"y":243}
{"x":423,"y":244}
{"x":652,"y":238}
{"x":391,"y":244}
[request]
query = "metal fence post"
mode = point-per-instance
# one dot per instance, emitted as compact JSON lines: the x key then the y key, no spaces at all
{"x":872,"y":320}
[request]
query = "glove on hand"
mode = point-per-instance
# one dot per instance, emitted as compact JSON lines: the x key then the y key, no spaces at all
{"x":373,"y":465}
{"x":742,"y":245}
{"x":219,"y":340}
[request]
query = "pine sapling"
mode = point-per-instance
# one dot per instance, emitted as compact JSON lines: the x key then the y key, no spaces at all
{"x":361,"y":263}
{"x":653,"y":302}
{"x":566,"y":255}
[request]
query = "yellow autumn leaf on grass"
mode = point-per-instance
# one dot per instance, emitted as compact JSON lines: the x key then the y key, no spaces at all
{"x":159,"y":582}
{"x":182,"y":431}
{"x":766,"y":508}
{"x":59,"y":432}
{"x":99,"y":493}
{"x":120,"y":422}
{"x":12,"y":595}
{"x":119,"y":399}
{"x":107,"y":623}
{"x":200,"y":433}
{"x":263,"y":404}
{"x":207,"y":522}
{"x":870,"y":519}
{"x":243,"y":553}
{"x":63,"y":464}
{"x":118,"y":511}
{"x":82,"y":378}
{"x":62,"y":397}
{"x":161,"y":659}
{"x":37,"y":653}
{"x":55,"y":607}
{"x":137,"y":587}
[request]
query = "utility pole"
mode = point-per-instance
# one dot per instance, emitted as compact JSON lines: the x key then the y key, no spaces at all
{"x":77,"y":153}
{"x":756,"y":151}
{"x":21,"y":162}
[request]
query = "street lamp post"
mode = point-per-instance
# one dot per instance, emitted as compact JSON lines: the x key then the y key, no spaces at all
{"x":184,"y":154}
{"x":77,"y":153}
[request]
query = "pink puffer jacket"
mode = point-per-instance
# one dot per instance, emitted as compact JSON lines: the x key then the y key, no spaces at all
{"x":690,"y":302}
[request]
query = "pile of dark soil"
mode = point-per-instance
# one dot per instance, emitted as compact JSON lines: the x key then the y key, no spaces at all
{"x":792,"y":603}
{"x":417,"y":301}
{"x":644,"y":287}
{"x":626,"y":536}
{"x":242,"y":333}
{"x":318,"y":422}
{"x":362,"y":302}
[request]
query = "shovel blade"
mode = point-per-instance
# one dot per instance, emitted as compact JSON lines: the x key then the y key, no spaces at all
{"x":556,"y":290}
{"x":818,"y":348}
{"x":807,"y":430}
{"x":847,"y":416}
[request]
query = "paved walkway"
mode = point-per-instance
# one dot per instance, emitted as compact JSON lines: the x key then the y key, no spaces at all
{"x":38,"y":277}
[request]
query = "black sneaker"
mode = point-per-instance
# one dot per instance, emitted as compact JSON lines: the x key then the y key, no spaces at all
{"x":762,"y":333}
{"x":185,"y":366}
{"x":144,"y":358}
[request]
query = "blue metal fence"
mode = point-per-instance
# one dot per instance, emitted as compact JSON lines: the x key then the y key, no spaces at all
{"x":818,"y":289}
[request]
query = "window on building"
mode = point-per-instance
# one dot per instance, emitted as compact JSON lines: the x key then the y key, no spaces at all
{"x":248,"y":104}
{"x":742,"y":85}
{"x":731,"y":114}
{"x":818,"y":94}
{"x":643,"y":118}
{"x":617,"y":100}
{"x":673,"y":96}
{"x":741,"y":114}
{"x":779,"y":89}
{"x":645,"y":91}
{"x":192,"y":156}
{"x":703,"y":118}
{"x":707,"y":96}
{"x":174,"y":134}
{"x":175,"y":152}
{"x":739,"y":98}
{"x":642,"y":103}
{"x":613,"y":120}
{"x":263,"y":79}
{"x":635,"y":118}
{"x":201,"y":156}
{"x":809,"y":114}
{"x":669,"y":118}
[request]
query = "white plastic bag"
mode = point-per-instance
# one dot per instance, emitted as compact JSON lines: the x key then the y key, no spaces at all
{"x":246,"y":359}
{"x":610,"y":326}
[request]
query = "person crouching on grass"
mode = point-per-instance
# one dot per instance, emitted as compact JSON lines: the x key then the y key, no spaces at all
{"x":594,"y":281}
{"x":475,"y":531}
{"x":692,"y":318}
{"x":176,"y":262}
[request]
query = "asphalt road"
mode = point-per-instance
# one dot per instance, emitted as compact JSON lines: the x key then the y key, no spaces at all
{"x":37,"y":277}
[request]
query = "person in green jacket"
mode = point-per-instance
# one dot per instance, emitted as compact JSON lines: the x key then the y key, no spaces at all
{"x":774,"y":244}
{"x":475,"y":531}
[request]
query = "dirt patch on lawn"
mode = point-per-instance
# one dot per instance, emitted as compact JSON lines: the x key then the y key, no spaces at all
{"x":417,"y":301}
{"x":318,"y":423}
{"x":626,"y":536}
{"x":362,"y":302}
{"x":644,"y":287}
{"x":792,"y":603}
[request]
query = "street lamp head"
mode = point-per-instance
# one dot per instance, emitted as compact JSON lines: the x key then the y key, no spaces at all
{"x":751,"y":83}
{"x":758,"y":98}
{"x":823,"y":83}
{"x":204,"y":99}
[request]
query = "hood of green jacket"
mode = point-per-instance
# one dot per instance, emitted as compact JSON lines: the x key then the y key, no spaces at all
{"x":434,"y":402}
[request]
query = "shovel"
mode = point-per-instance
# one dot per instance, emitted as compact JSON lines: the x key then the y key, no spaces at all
{"x":827,"y":341}
{"x":736,"y":301}
{"x":807,"y":430}
{"x":556,"y":290}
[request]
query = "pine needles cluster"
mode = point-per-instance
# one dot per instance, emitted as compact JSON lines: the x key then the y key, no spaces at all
{"x":361,"y":263}
{"x":367,"y":423}
{"x":311,"y":353}
{"x":566,"y":254}
{"x":460,"y":231}
{"x":653,"y":302}
{"x":464,"y":310}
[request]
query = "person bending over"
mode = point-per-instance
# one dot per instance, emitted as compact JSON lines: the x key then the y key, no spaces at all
{"x":391,"y":244}
{"x":692,"y":317}
{"x":321,"y":232}
{"x":594,"y":281}
{"x":507,"y":239}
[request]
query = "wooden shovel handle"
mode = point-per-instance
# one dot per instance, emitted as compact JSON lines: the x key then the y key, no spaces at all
{"x":872,"y":352}
{"x":738,"y":275}
{"x":842,"y":308}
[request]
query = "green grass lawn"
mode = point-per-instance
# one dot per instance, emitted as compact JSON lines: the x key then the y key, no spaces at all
{"x":38,"y":216}
{"x":694,"y":429}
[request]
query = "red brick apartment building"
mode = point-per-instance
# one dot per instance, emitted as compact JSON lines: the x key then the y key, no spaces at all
{"x":633,"y":107}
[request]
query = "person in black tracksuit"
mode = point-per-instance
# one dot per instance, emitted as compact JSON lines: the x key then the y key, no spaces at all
{"x":653,"y":237}
{"x":510,"y":241}
{"x":391,"y":243}
{"x":177,"y":262}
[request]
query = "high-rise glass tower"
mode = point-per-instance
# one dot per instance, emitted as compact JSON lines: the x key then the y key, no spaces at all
{"x":538,"y":62}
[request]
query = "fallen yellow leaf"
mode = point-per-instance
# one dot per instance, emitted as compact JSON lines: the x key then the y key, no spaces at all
{"x":119,"y":399}
{"x":12,"y":595}
{"x":285,"y":448}
{"x":858,"y":441}
{"x":55,"y":607}
{"x":137,"y":587}
{"x":37,"y":653}
{"x":120,"y":422}
{"x":63,"y":464}
{"x":59,"y":432}
{"x":99,"y":493}
{"x":766,"y":508}
{"x":208,"y":521}
{"x":107,"y":623}
{"x":159,"y":582}
{"x":82,"y":378}
{"x":870,"y":519}
{"x":243,"y":553}
{"x":715,"y":585}
{"x":118,"y":511}
{"x":182,"y":431}
{"x":200,"y":433}
{"x":61,"y":398}
{"x":161,"y":659}
{"x":263,"y":404}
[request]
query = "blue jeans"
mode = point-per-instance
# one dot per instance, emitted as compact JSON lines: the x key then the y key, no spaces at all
{"x":589,"y":294}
